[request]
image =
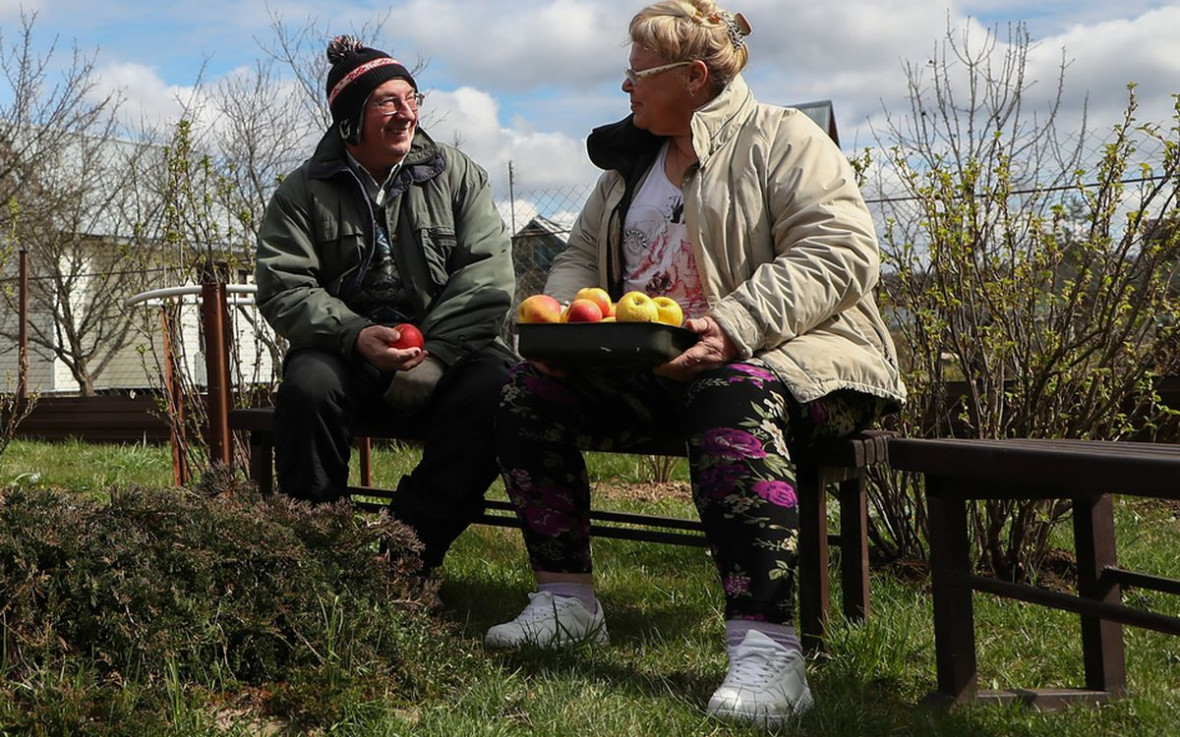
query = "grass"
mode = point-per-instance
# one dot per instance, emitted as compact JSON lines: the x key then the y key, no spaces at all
{"x":664,"y":612}
{"x":84,"y":467}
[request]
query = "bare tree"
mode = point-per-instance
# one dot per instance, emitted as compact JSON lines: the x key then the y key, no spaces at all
{"x":68,"y":183}
{"x":40,"y":110}
{"x":1029,"y":294}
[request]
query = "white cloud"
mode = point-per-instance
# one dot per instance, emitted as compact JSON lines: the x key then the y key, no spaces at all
{"x":12,"y":9}
{"x":526,"y":80}
{"x":853,"y":53}
{"x":540,"y":160}
{"x":518,"y":45}
{"x":148,"y":103}
{"x":1107,"y":56}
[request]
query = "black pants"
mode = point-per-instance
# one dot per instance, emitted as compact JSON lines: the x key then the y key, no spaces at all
{"x":322,"y":396}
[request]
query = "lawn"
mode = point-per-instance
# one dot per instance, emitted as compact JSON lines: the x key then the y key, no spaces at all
{"x":664,"y":613}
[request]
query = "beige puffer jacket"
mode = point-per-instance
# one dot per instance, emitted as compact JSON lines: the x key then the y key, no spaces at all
{"x":786,"y":249}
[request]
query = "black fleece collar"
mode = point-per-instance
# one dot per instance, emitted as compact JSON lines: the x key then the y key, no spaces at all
{"x":423,"y":162}
{"x":624,"y":148}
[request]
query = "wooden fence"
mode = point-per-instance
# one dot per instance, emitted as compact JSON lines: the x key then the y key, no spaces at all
{"x":101,"y":419}
{"x":129,"y":419}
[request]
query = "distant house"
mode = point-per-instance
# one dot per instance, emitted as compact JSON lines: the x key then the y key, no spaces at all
{"x":821,"y":112}
{"x":137,"y":365}
{"x":78,"y":254}
{"x":534,"y":247}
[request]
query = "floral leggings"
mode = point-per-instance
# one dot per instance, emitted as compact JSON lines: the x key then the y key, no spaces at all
{"x":740,"y":423}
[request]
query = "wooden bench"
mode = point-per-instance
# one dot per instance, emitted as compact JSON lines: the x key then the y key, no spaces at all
{"x":840,"y":463}
{"x":1086,"y":472}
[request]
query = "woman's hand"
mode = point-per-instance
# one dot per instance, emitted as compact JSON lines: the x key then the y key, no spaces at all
{"x":712,"y":350}
{"x":549,"y":369}
{"x":375,"y":344}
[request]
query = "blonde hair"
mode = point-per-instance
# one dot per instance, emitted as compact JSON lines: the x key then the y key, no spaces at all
{"x":685,"y":30}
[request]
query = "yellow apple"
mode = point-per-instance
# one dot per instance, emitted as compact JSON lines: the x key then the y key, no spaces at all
{"x":539,"y":308}
{"x":669,"y":309}
{"x":636,"y":307}
{"x":599,"y":296}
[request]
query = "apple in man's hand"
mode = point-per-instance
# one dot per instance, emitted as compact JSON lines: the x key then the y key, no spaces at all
{"x":409,"y":336}
{"x":539,"y":308}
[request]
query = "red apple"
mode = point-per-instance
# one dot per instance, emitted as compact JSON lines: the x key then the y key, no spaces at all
{"x":583,"y":310}
{"x":598,"y":295}
{"x":409,"y":336}
{"x":539,"y":308}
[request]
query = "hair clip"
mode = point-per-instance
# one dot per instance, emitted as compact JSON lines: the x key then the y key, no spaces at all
{"x":742,"y":24}
{"x":737,"y":25}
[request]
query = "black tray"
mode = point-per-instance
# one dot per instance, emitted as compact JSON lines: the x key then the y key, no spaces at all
{"x":603,"y":343}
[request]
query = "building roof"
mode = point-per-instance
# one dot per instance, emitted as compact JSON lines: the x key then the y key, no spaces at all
{"x":821,"y":112}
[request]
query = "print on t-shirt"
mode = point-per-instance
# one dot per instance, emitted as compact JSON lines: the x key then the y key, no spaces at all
{"x":657,"y":253}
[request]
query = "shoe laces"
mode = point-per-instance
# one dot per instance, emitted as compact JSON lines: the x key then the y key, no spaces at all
{"x":542,"y":605}
{"x":758,"y":664}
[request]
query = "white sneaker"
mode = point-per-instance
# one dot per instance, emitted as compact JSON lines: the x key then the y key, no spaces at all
{"x":550,"y":622}
{"x":766,"y":683}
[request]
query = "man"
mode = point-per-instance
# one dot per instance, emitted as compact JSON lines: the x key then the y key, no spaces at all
{"x":383,"y":226}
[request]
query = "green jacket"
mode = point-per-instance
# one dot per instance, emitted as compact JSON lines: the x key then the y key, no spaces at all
{"x":450,"y":245}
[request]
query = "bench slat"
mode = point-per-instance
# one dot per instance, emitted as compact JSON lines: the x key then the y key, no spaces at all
{"x":1089,"y":466}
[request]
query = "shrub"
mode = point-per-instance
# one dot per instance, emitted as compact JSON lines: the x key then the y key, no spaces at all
{"x":1033,"y":292}
{"x":206,"y":585}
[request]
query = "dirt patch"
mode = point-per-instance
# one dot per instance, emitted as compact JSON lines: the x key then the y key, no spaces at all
{"x":646,"y":492}
{"x":1058,"y":572}
{"x":909,"y":570}
{"x":1165,"y":508}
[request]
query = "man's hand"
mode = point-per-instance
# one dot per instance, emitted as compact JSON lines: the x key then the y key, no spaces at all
{"x":375,"y":344}
{"x":712,"y":350}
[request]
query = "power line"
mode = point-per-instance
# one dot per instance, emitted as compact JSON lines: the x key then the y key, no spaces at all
{"x":135,"y":272}
{"x":1034,"y":190}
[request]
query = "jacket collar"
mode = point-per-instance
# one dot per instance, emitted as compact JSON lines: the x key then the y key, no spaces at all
{"x":423,"y":162}
{"x":718,"y":121}
{"x":624,"y":148}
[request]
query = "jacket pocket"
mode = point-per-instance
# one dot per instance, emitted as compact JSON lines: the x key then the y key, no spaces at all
{"x":438,"y":247}
{"x":341,"y":250}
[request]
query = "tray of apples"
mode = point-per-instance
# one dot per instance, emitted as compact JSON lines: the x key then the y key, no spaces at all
{"x":591,"y":331}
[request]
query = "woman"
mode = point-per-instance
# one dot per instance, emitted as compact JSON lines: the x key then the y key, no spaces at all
{"x":749,"y":216}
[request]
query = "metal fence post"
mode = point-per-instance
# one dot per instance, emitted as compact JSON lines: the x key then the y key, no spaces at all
{"x":174,"y":394}
{"x":22,"y":380}
{"x":215,"y":316}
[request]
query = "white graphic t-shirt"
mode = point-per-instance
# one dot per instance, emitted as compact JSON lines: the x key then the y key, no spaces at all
{"x":657,"y":255}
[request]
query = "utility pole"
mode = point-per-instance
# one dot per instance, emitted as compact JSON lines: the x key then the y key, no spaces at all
{"x":512,"y":197}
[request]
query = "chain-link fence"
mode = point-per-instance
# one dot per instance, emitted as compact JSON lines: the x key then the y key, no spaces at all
{"x":540,"y":222}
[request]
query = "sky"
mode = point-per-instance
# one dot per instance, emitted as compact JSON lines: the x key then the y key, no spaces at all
{"x":524,"y":81}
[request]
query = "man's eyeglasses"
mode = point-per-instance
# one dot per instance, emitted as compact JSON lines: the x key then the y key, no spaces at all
{"x":633,"y":76}
{"x":390,"y":105}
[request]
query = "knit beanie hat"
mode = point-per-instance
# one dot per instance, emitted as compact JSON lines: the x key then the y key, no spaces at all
{"x":356,"y":71}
